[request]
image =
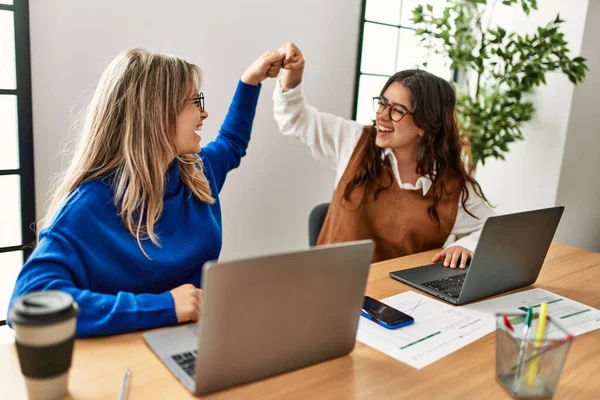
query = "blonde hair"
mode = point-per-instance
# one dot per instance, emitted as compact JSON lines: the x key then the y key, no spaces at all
{"x":128,"y":135}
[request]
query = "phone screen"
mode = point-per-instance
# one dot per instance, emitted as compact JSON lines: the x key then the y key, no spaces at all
{"x":384,"y":313}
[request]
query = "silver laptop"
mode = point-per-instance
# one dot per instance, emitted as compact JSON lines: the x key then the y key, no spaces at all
{"x":268,"y":315}
{"x":509,"y":255}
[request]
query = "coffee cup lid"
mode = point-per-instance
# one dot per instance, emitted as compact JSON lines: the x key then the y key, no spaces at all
{"x":43,"y":308}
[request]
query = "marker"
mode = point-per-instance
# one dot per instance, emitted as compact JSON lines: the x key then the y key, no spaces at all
{"x":534,"y":366}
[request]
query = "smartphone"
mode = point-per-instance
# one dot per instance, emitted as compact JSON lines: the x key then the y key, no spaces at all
{"x":384,"y":315}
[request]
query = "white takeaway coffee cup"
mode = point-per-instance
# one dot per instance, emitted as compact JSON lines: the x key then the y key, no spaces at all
{"x":44,"y":324}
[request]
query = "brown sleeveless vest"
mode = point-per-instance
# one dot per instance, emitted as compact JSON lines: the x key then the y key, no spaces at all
{"x":398,"y":221}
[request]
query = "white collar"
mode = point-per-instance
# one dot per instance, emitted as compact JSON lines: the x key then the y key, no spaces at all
{"x":424,"y":182}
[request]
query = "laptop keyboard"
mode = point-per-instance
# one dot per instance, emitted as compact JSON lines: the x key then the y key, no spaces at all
{"x":187,"y":362}
{"x":449,"y":286}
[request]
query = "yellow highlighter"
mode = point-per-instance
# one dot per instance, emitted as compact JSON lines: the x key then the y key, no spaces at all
{"x":534,"y":365}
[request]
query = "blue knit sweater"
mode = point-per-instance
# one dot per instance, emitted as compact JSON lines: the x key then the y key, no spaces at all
{"x":87,"y":252}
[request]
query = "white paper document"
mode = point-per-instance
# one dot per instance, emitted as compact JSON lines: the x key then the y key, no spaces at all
{"x":575,"y":317}
{"x":439,"y":329}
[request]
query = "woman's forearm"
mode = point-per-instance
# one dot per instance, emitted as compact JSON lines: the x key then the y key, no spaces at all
{"x":291,"y":79}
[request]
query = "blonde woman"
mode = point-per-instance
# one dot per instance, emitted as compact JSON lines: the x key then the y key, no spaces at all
{"x":137,"y":212}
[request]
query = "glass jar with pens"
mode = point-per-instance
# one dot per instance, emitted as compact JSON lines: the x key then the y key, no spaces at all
{"x":531,"y":350}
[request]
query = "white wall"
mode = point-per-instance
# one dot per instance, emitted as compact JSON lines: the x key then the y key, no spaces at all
{"x":529,"y":177}
{"x":266,"y":202}
{"x":579,"y":184}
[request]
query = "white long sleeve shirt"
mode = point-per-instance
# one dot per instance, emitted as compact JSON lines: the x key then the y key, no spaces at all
{"x":332,"y":139}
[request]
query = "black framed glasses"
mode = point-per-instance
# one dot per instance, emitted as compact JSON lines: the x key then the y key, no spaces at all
{"x":199,"y":101}
{"x":396,"y":112}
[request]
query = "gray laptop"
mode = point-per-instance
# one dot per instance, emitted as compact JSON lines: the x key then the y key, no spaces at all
{"x":509,"y":255}
{"x":267,"y":315}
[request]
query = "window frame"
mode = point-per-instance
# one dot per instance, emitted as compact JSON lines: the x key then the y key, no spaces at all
{"x":20,"y":10}
{"x":359,"y":73}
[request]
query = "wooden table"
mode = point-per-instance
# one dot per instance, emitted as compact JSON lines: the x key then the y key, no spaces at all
{"x":98,"y":364}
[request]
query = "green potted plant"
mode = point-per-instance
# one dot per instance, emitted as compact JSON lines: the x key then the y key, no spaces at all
{"x":495,"y":68}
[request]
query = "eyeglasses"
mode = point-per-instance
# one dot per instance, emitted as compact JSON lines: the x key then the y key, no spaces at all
{"x":396,"y":113}
{"x":199,"y":101}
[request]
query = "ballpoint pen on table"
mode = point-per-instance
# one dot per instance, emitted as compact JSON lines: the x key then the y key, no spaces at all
{"x":534,"y":366}
{"x":124,"y":384}
{"x":523,"y":349}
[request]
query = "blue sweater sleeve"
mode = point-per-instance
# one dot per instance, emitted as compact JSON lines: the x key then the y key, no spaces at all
{"x":226,"y":151}
{"x":55,"y":265}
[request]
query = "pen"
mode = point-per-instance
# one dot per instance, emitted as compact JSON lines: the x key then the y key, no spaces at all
{"x":549,"y":347}
{"x":523,"y":348}
{"x":507,"y":323}
{"x":534,"y":366}
{"x":124,"y":384}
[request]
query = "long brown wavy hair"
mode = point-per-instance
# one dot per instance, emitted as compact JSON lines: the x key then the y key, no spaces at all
{"x":441,"y":153}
